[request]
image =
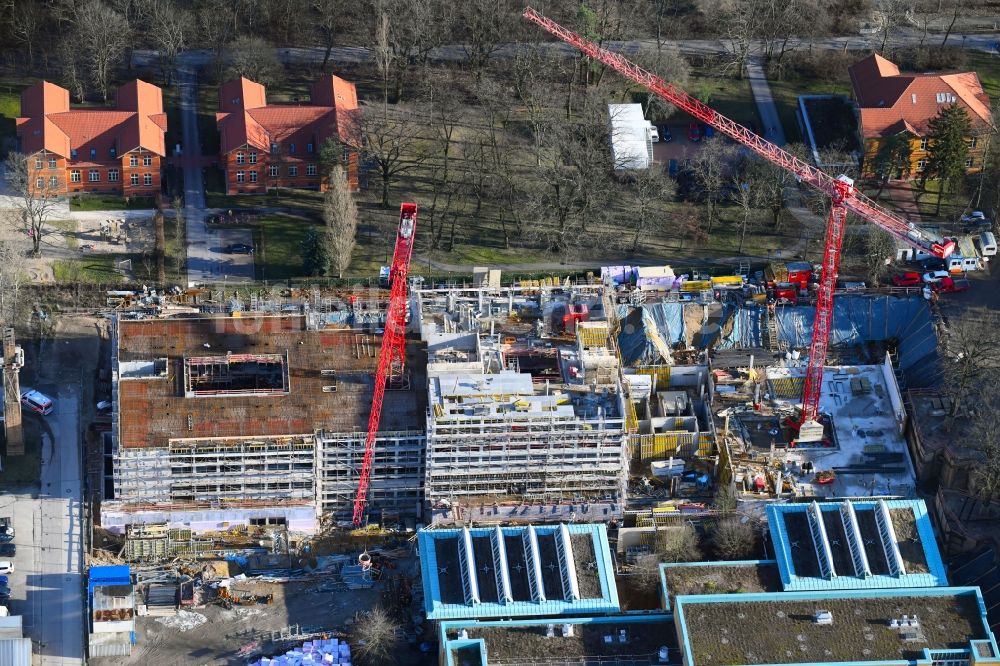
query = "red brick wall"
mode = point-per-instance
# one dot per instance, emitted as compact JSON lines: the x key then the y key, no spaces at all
{"x":265,"y":181}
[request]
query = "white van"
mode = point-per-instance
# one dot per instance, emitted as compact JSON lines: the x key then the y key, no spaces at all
{"x":964,"y":264}
{"x":987,"y":244}
{"x":654,"y":134}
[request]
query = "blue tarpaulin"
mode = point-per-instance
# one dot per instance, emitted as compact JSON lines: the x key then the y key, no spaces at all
{"x":861,"y":319}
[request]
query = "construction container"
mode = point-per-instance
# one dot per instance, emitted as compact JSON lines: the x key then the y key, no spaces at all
{"x":727,"y":282}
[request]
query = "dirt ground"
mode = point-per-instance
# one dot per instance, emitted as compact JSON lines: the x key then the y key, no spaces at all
{"x":213,"y":636}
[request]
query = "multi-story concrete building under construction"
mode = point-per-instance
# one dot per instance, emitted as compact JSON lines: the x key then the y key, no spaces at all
{"x":254,"y":420}
{"x":526,"y":418}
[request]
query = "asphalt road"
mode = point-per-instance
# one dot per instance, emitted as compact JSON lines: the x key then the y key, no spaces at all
{"x":48,"y":579}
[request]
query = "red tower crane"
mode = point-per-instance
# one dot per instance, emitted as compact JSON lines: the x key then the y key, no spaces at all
{"x":840,"y":189}
{"x":392,"y":355}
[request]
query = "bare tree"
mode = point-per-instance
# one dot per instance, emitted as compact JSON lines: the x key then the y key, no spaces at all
{"x":171,"y":30}
{"x":384,"y":56}
{"x":393,"y":144}
{"x":69,"y":68}
{"x":744,"y":195}
{"x":376,"y":637}
{"x":710,"y":166}
{"x":970,"y":358}
{"x":648,"y":188}
{"x":102,"y":38}
{"x":880,"y":251}
{"x":733,"y":539}
{"x":341,"y":217}
{"x":487,"y":24}
{"x":891,"y":15}
{"x":678,"y":544}
{"x":957,"y":6}
{"x":12,"y":276}
{"x":254,"y":58}
{"x":215,"y":20}
{"x":35,"y":197}
{"x":23,"y":22}
{"x":327,"y":25}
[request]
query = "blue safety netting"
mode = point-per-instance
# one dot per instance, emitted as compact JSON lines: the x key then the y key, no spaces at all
{"x":861,"y":319}
{"x":746,"y":327}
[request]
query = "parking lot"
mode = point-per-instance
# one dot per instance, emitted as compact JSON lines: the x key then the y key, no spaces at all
{"x":679,"y":148}
{"x":210,"y":258}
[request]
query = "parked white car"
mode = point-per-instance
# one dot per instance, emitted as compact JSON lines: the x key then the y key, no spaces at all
{"x":935,"y":276}
{"x":6,"y":567}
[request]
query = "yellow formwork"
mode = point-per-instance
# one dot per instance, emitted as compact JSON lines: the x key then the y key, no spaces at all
{"x":647,"y":448}
{"x":659,"y":373}
{"x":593,"y":335}
{"x":787,"y":387}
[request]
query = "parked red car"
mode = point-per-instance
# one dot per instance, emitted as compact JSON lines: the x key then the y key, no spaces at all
{"x":909,"y":279}
{"x":694,"y":132}
{"x":950,"y":285}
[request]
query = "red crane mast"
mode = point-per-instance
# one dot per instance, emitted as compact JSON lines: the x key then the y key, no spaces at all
{"x":392,"y":355}
{"x":840,"y":189}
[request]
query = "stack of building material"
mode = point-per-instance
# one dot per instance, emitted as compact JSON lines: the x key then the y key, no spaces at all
{"x":316,"y":652}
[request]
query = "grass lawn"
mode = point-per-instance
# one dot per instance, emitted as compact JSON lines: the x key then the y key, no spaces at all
{"x":68,"y":229}
{"x":23,"y":470}
{"x":109,"y":202}
{"x":95,"y":269}
{"x":278,"y":239}
{"x":987,"y":65}
{"x":10,"y":108}
{"x":729,"y":96}
{"x":952,"y":205}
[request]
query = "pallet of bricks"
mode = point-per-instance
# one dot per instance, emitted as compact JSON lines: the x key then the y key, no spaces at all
{"x":328,"y":651}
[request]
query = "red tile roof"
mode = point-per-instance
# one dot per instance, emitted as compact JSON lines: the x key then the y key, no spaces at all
{"x":47,"y":122}
{"x":891,"y":101}
{"x":245,"y":118}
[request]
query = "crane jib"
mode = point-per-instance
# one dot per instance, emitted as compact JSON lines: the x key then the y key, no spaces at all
{"x":805,"y":172}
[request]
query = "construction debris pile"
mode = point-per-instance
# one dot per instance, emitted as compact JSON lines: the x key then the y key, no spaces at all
{"x":330,"y":651}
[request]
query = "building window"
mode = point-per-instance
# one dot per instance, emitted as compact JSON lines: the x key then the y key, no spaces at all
{"x":293,"y":171}
{"x":113,"y":151}
{"x":38,"y":163}
{"x":240,"y":157}
{"x":52,"y":163}
{"x":274,"y":149}
{"x":968,"y":162}
{"x":93,"y":153}
{"x":40,"y":183}
{"x":272,"y":171}
{"x":973,"y":142}
{"x":94,"y":176}
{"x":253,"y":158}
{"x":291,"y":148}
{"x":133,"y":179}
{"x":73,"y":153}
{"x":147,"y":160}
{"x":921,"y":164}
{"x":113,"y":175}
{"x":923,"y":144}
{"x":74,"y":176}
{"x":253,"y":176}
{"x":310,"y":169}
{"x":147,"y":179}
{"x":133,"y":161}
{"x":945,"y":98}
{"x":241,"y":176}
{"x":53,"y":181}
{"x":309,"y":147}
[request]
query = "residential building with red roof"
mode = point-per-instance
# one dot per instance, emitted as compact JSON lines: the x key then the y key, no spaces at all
{"x":892,"y":103}
{"x":264,"y":146}
{"x":102,"y":150}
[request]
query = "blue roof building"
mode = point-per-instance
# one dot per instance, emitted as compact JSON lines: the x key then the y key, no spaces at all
{"x":525,"y":571}
{"x":938,"y":626}
{"x":855,"y":545}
